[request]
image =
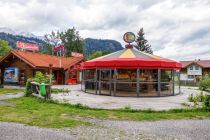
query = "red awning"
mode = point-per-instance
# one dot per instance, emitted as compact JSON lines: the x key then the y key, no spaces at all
{"x":129,"y":58}
{"x":149,"y":63}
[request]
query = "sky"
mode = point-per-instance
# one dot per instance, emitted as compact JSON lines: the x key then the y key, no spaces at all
{"x":176,"y":29}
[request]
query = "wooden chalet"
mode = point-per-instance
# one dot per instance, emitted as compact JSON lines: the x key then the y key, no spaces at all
{"x":64,"y":69}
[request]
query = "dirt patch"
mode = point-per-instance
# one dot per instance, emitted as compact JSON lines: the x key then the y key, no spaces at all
{"x":76,"y":116}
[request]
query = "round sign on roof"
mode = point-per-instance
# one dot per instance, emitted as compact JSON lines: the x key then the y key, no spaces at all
{"x":129,"y":37}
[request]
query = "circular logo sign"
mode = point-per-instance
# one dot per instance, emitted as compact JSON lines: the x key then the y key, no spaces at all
{"x":129,"y":37}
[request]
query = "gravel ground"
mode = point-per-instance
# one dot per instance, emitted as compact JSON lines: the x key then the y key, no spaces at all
{"x":14,"y":131}
{"x":168,"y":129}
{"x":116,"y":130}
{"x":109,"y":102}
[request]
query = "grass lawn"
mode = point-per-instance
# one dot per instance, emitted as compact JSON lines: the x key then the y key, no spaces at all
{"x":10,"y":90}
{"x":33,"y":111}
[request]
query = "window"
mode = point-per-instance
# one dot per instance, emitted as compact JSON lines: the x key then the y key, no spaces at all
{"x":190,"y":76}
{"x":196,"y":67}
{"x":191,"y":67}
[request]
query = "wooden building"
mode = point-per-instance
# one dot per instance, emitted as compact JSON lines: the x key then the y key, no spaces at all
{"x":25,"y":64}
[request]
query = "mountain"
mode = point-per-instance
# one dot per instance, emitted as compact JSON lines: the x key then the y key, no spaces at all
{"x":7,"y":30}
{"x":92,"y":45}
{"x":16,"y":32}
{"x":12,"y":39}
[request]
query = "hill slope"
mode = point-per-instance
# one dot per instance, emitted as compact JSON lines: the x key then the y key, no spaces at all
{"x":91,"y":45}
{"x":12,"y":39}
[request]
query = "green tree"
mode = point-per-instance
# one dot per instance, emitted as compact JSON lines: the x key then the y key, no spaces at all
{"x":4,"y":47}
{"x":51,"y":40}
{"x":97,"y":54}
{"x":72,"y":41}
{"x":142,"y":43}
{"x":47,"y":49}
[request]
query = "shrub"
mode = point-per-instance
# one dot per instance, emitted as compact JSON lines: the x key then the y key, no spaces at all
{"x":80,"y":106}
{"x":41,"y":78}
{"x":207,"y":103}
{"x":204,"y":83}
{"x":28,"y":87}
{"x":58,"y":90}
{"x":198,"y":98}
{"x":127,"y":108}
{"x":190,"y":98}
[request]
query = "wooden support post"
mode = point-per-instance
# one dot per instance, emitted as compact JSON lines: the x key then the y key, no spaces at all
{"x":48,"y":89}
{"x":96,"y":81}
{"x":2,"y":76}
{"x":82,"y":80}
{"x":137,"y":82}
{"x":110,"y":81}
{"x":85,"y":80}
{"x":159,"y":81}
{"x":99,"y":82}
{"x":50,"y":72}
{"x":115,"y":81}
{"x":173,"y":73}
{"x":179,"y":82}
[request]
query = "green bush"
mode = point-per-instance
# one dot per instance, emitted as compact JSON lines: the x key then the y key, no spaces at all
{"x":198,"y":98}
{"x":207,"y":103}
{"x":28,"y":87}
{"x":191,"y":98}
{"x":204,"y":83}
{"x":58,"y":90}
{"x":41,"y":78}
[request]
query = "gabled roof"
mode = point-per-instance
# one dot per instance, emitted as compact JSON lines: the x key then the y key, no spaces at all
{"x":128,"y":53}
{"x":202,"y":63}
{"x":131,"y":58}
{"x":42,"y":60}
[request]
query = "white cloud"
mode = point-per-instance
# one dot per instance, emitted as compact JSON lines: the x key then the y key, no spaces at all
{"x":175,"y":29}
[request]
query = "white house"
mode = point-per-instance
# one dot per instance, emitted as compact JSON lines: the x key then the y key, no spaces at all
{"x":194,"y":70}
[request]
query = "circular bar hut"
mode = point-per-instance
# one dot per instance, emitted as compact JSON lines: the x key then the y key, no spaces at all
{"x":130,"y":72}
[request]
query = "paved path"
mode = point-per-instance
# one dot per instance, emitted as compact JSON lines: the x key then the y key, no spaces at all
{"x":116,"y":130}
{"x":9,"y":96}
{"x":14,"y":131}
{"x":109,"y":102}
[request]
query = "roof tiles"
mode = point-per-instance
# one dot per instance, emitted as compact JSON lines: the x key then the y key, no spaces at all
{"x":44,"y":60}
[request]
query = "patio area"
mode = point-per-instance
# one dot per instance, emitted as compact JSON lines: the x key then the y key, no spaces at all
{"x":111,"y":102}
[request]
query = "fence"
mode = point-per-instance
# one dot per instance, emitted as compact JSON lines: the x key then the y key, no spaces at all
{"x":35,"y":87}
{"x":189,"y":83}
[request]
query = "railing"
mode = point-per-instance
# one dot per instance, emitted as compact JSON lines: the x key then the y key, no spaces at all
{"x":35,"y":87}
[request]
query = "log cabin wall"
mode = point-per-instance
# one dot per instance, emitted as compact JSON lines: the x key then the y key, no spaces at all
{"x":25,"y":71}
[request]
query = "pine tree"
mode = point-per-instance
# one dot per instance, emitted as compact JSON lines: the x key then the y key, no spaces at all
{"x":142,"y":43}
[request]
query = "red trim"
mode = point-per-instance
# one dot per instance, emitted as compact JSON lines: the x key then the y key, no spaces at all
{"x":132,"y":63}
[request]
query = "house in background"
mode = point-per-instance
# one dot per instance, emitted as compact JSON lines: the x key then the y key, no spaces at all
{"x":17,"y":66}
{"x":192,"y":71}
